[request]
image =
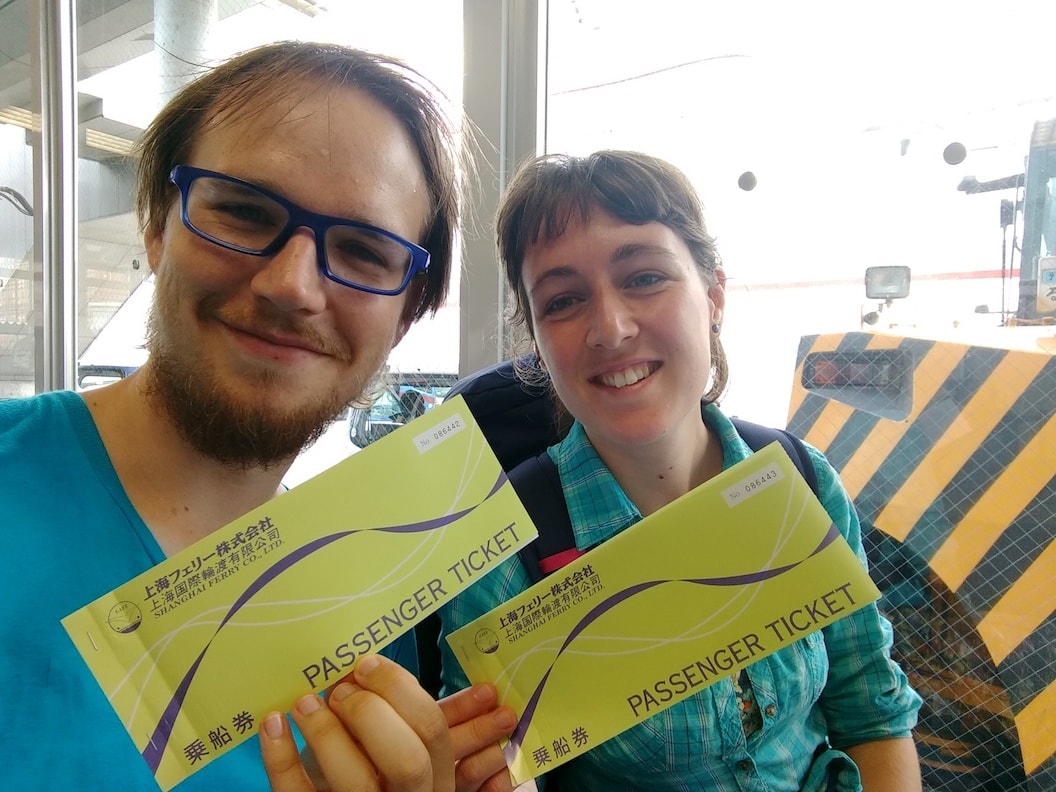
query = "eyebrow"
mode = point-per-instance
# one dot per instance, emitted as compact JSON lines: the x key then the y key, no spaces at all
{"x":551,"y":274}
{"x":632,"y":249}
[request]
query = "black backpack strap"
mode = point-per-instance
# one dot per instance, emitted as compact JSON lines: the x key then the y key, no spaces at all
{"x":757,"y":437}
{"x":538,"y":485}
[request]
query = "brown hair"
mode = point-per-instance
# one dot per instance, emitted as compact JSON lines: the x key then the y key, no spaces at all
{"x":549,"y":192}
{"x":233,"y":86}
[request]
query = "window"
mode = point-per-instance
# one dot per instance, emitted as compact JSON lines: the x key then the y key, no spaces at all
{"x":18,"y":116}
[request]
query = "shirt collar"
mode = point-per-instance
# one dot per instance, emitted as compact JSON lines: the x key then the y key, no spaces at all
{"x":597,"y":505}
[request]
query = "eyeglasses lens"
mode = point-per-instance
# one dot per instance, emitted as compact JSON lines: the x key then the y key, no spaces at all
{"x":243,"y":218}
{"x":234,"y":214}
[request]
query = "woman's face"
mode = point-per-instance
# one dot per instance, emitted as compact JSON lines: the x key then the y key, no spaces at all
{"x":622,"y":319}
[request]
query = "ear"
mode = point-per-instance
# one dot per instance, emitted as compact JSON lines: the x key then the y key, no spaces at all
{"x":153,"y":240}
{"x":717,"y":296}
{"x":539,"y":357}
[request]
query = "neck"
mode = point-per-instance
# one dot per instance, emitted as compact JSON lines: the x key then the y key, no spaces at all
{"x":653,"y":475}
{"x":179,"y":493}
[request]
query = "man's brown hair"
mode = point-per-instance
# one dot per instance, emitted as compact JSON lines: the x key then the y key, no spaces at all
{"x":259,"y":74}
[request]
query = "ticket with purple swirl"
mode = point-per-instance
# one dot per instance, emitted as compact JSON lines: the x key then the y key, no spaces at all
{"x":285,"y":600}
{"x":731,"y":572}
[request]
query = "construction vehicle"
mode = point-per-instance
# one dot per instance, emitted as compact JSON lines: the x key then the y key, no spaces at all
{"x":1035,"y":199}
{"x":946,"y":441}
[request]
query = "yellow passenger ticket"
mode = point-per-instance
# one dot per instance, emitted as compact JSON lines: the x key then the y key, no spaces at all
{"x":727,"y":574}
{"x":282,"y":602}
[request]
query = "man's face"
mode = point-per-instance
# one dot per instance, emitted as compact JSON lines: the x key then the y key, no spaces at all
{"x":253,"y":355}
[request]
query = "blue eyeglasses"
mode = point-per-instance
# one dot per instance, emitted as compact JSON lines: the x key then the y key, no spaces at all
{"x":240,"y":216}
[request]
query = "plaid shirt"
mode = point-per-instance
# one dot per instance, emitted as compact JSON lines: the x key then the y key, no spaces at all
{"x":836,"y":686}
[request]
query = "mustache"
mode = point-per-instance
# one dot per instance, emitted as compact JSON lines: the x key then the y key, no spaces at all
{"x":265,"y":319}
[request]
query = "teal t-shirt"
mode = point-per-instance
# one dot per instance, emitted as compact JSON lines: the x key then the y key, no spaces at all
{"x":68,"y":534}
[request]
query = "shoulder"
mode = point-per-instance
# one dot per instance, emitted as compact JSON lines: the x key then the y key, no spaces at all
{"x":829,"y":485}
{"x":35,"y":418}
{"x":42,"y":404}
{"x":836,"y":500}
{"x":734,"y":449}
{"x":830,"y":489}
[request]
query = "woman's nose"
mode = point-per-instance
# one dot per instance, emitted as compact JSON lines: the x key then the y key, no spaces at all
{"x":611,"y":321}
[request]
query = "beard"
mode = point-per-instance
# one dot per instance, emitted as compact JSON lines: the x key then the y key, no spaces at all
{"x":238,"y":433}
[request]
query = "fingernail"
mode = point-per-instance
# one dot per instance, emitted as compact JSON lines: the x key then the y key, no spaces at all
{"x":505,"y":719}
{"x":485,"y":694}
{"x":309,"y":704}
{"x":273,"y":725}
{"x":368,"y":664}
{"x":344,"y":690}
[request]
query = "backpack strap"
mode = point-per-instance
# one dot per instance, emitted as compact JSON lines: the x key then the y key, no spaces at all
{"x":538,"y":485}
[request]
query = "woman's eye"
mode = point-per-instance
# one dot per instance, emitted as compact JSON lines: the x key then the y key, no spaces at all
{"x":645,"y":279}
{"x":558,"y":304}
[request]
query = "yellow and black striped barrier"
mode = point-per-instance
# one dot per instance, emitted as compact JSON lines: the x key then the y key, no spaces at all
{"x":949,"y":452}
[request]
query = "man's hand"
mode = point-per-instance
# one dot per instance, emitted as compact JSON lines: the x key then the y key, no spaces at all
{"x":379,"y":730}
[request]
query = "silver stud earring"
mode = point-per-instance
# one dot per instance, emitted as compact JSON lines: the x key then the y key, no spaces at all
{"x":715,"y":327}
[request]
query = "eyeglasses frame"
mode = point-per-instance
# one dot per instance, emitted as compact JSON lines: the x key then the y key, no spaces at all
{"x":299,"y":217}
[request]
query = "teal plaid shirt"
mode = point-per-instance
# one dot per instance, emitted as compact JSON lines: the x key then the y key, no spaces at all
{"x":837,"y":686}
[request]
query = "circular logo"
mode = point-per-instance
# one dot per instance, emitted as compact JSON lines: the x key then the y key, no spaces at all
{"x":486,"y":640}
{"x":124,"y":617}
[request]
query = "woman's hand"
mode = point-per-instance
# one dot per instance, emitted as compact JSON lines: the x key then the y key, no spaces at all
{"x":379,"y":730}
{"x":476,"y":728}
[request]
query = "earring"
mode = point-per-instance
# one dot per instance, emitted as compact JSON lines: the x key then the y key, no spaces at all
{"x":715,"y":327}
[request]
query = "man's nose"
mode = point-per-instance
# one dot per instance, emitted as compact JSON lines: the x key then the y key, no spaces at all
{"x":291,"y":278}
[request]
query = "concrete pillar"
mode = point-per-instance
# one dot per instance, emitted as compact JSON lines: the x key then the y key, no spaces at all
{"x":181,"y":39}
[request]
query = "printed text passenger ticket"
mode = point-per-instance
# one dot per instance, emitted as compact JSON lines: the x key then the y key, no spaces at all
{"x":729,"y":573}
{"x":193,"y":653}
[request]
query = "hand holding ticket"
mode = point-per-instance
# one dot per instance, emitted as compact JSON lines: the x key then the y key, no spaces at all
{"x":193,"y":653}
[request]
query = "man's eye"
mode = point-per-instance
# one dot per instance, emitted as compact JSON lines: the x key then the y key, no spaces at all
{"x":362,"y":254}
{"x":247,"y":213}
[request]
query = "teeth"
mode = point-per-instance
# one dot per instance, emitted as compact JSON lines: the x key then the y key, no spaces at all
{"x":626,"y":377}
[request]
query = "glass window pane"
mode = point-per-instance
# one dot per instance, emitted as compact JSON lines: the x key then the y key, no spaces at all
{"x":17,"y":282}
